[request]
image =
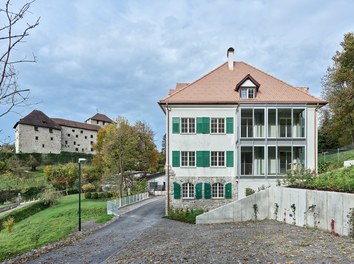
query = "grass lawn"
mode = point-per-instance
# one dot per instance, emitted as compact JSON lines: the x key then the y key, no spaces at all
{"x":50,"y":225}
{"x":29,"y":179}
{"x":333,"y":157}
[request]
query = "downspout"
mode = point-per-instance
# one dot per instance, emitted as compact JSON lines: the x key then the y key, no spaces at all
{"x":168,"y":159}
{"x":315,"y":138}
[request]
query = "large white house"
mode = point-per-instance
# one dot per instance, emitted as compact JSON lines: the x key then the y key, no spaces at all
{"x":37,"y":133}
{"x":236,"y":127}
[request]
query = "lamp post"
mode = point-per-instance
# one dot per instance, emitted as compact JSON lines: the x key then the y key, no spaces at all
{"x":79,"y":173}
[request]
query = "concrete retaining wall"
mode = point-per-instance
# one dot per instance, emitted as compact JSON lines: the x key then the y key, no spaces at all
{"x":293,"y":206}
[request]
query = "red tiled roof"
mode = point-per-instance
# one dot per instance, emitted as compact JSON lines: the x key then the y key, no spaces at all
{"x":74,"y":124}
{"x":101,"y":117}
{"x":218,"y":86}
{"x":38,"y":118}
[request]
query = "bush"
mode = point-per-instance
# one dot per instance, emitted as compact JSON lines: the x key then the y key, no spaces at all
{"x":94,"y":195}
{"x":108,"y":194}
{"x":8,"y":224}
{"x":249,"y":191}
{"x":50,"y":197}
{"x":187,"y":216}
{"x":88,"y":187}
{"x":24,"y":212}
{"x":33,"y":162}
{"x":88,"y":195}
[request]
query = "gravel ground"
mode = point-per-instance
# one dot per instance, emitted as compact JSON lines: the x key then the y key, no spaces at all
{"x":249,"y":242}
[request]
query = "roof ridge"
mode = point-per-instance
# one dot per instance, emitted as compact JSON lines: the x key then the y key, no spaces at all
{"x":290,"y":86}
{"x":200,"y":78}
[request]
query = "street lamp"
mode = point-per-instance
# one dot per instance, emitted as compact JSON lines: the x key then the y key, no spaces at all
{"x":79,"y":162}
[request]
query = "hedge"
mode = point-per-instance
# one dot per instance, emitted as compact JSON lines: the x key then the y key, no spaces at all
{"x":24,"y":212}
{"x":63,"y":157}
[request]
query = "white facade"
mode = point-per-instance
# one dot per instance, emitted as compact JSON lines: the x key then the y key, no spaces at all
{"x":31,"y":139}
{"x":78,"y":140}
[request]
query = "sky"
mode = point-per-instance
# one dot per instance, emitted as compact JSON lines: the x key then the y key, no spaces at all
{"x":120,"y":57}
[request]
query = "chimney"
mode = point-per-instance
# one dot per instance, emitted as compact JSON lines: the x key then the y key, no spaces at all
{"x":230,"y":58}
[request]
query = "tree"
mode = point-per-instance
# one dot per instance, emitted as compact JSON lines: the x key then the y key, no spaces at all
{"x":122,"y":148}
{"x":338,"y":90}
{"x":62,"y":177}
{"x":33,"y":162}
{"x":12,"y":32}
{"x":327,"y":139}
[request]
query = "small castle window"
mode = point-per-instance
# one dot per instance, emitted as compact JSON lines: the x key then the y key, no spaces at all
{"x":51,"y":138}
{"x":42,"y":145}
{"x":35,"y":128}
{"x":50,"y":130}
{"x":77,"y":136}
{"x":76,"y":149}
{"x":73,"y":130}
{"x":36,"y":138}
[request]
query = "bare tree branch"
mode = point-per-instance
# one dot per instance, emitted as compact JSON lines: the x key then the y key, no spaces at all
{"x":11,"y":95}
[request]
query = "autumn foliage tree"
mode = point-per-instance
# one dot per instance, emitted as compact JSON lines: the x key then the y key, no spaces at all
{"x":122,"y":148}
{"x":338,"y":90}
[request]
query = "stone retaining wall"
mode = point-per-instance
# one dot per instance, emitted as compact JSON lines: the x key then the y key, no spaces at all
{"x":301,"y":207}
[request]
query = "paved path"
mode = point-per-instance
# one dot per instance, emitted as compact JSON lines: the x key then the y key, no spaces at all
{"x":99,"y":246}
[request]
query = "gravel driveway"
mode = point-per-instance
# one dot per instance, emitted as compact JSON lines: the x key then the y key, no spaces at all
{"x":261,"y":242}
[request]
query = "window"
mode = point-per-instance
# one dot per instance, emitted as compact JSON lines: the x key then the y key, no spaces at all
{"x":284,"y":121}
{"x":246,"y":123}
{"x":284,"y":156}
{"x":187,"y":190}
{"x":76,"y":149}
{"x":218,"y":190}
{"x":217,"y":158}
{"x":66,"y":142}
{"x":35,"y":128}
{"x":85,"y":137}
{"x":51,"y":138}
{"x":104,"y":122}
{"x":68,"y":135}
{"x":73,"y":130}
{"x":91,"y":142}
{"x":50,"y":130}
{"x":74,"y":142}
{"x":217,"y":125}
{"x":43,"y":145}
{"x":91,"y":136}
{"x":77,"y":136}
{"x":82,"y":150}
{"x":246,"y":160}
{"x":97,"y":122}
{"x":36,"y":138}
{"x":247,"y":93}
{"x":187,"y":125}
{"x":187,"y":158}
{"x":298,"y":123}
{"x":81,"y":131}
{"x":91,"y":149}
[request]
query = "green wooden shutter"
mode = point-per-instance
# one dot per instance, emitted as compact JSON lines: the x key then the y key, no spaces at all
{"x":175,"y":158}
{"x":228,"y":190}
{"x":199,"y":125}
{"x":199,"y":190}
{"x":176,"y":190}
{"x":207,"y":190}
{"x":229,"y":125}
{"x":203,"y":158}
{"x":206,"y":158}
{"x":206,"y":125}
{"x":229,"y":158}
{"x":175,"y":125}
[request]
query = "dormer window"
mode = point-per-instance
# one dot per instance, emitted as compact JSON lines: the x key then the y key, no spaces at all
{"x":247,"y":93}
{"x":247,"y":87}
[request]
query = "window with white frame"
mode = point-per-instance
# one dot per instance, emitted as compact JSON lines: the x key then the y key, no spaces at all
{"x":247,"y":93}
{"x":187,"y":158}
{"x":217,"y":125}
{"x":188,"y":190}
{"x":217,"y":158}
{"x":218,"y":190}
{"x":187,"y":125}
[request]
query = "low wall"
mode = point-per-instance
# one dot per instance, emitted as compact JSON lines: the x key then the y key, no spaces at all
{"x":293,"y":206}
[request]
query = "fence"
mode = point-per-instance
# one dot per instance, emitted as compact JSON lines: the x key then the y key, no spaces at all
{"x":338,"y":155}
{"x":114,"y":205}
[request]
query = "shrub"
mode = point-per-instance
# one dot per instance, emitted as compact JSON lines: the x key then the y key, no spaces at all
{"x":88,"y":187}
{"x":249,"y":191}
{"x":50,"y":197}
{"x":8,"y":224}
{"x":94,"y":195}
{"x":187,"y":216}
{"x":88,"y":195}
{"x":33,"y":162}
{"x":108,"y":194}
{"x":2,"y":165}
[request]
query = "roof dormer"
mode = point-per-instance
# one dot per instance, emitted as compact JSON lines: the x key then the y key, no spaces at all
{"x":248,"y":87}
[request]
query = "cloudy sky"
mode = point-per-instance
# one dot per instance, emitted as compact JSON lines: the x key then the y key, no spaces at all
{"x":120,"y":57}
